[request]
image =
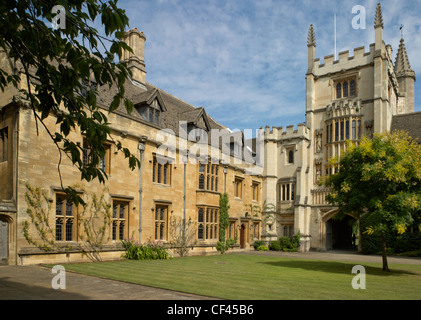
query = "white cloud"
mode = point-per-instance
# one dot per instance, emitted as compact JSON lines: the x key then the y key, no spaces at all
{"x":245,"y":61}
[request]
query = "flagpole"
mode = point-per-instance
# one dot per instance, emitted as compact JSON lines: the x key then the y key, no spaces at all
{"x":334,"y":32}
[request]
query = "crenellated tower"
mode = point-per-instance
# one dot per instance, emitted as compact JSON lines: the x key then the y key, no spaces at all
{"x":354,"y":95}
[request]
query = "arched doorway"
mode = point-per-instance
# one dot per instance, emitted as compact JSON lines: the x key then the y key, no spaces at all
{"x":4,"y":241}
{"x":341,"y":234}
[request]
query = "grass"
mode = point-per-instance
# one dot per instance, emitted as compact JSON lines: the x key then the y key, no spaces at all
{"x":257,"y":277}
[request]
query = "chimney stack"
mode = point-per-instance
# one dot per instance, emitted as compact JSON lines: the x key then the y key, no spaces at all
{"x":136,"y":60}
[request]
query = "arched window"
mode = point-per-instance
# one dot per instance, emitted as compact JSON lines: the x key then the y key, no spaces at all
{"x":338,"y":91}
{"x":352,"y":88}
{"x":345,"y":89}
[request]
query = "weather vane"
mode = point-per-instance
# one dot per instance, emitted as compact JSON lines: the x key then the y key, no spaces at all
{"x":401,"y":29}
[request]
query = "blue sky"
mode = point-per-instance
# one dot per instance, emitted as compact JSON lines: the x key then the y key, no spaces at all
{"x":245,"y":61}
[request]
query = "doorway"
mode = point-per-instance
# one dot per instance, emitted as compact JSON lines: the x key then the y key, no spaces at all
{"x":341,"y":234}
{"x":4,"y":241}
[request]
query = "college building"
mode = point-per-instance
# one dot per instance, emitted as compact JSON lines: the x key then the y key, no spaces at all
{"x":183,"y":170}
{"x":187,"y":160}
{"x":358,"y":94}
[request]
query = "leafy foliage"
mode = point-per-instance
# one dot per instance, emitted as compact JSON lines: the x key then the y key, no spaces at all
{"x":262,"y":247}
{"x":57,"y":66}
{"x":286,"y":244}
{"x":149,"y":251}
{"x":93,"y":218}
{"x":379,"y":180}
{"x":224,"y":244}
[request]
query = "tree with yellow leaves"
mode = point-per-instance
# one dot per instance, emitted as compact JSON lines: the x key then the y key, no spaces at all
{"x":379,"y":179}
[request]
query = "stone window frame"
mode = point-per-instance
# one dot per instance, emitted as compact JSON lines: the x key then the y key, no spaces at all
{"x":238,"y":187}
{"x":65,"y":219}
{"x":119,"y":222}
{"x":104,"y":163}
{"x":4,"y":144}
{"x":287,"y":191}
{"x":350,"y":82}
{"x":255,"y":185}
{"x":161,"y":220}
{"x":207,"y":223}
{"x":161,"y":169}
{"x":208,"y":176}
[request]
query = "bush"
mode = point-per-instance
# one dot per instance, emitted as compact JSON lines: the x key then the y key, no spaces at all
{"x":262,"y":247}
{"x":286,"y":244}
{"x":149,"y":251}
{"x":275,"y":245}
{"x":258,"y":243}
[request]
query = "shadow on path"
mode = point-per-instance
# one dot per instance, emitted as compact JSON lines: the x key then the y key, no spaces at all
{"x":13,"y":290}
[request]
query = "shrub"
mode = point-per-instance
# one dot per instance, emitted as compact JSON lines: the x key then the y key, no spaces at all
{"x":258,"y":243}
{"x":275,"y":245}
{"x":149,"y":251}
{"x":262,"y":247}
{"x":286,"y":244}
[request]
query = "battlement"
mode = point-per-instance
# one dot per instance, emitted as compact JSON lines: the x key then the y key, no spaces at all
{"x":345,"y":61}
{"x":278,"y":133}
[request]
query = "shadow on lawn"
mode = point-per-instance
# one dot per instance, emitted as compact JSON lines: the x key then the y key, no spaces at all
{"x":335,"y":267}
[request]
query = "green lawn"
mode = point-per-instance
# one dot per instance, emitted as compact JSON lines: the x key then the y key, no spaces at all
{"x":244,"y":277}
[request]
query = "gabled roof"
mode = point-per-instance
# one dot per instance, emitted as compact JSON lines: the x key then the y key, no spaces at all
{"x":147,"y":97}
{"x":176,"y":110}
{"x":193,"y":117}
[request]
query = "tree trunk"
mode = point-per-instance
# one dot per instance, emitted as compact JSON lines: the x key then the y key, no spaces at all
{"x":384,"y":257}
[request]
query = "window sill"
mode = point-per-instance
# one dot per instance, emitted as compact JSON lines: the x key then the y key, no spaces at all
{"x":161,"y":184}
{"x":208,"y":191}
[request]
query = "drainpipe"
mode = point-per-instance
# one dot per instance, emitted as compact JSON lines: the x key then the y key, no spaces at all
{"x":185,"y":159}
{"x":141,"y":147}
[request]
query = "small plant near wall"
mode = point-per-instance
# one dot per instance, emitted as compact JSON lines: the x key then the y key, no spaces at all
{"x":148,"y":251}
{"x":93,"y":218}
{"x":286,"y":244}
{"x":224,"y":244}
{"x":183,"y":235}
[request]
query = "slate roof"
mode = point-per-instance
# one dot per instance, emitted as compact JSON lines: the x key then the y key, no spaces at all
{"x":410,"y":122}
{"x":175,"y":109}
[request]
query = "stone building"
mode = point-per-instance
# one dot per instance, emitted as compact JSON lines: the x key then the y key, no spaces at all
{"x":141,"y":202}
{"x":356,"y":95}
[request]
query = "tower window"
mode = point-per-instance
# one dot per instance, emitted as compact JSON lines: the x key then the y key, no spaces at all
{"x":352,"y":88}
{"x":338,"y":91}
{"x":345,"y":88}
{"x":4,"y":141}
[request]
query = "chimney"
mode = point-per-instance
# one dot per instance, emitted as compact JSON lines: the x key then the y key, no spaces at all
{"x":136,"y":60}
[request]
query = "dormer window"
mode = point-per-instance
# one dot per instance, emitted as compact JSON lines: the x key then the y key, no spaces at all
{"x":150,"y":106}
{"x":195,"y":133}
{"x":150,"y":114}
